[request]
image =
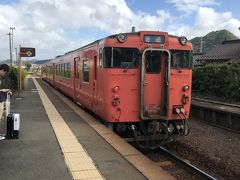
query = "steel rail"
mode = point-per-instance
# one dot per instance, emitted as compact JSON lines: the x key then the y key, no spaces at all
{"x":186,"y":165}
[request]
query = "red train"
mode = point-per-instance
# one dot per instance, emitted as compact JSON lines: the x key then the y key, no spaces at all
{"x":139,"y":82}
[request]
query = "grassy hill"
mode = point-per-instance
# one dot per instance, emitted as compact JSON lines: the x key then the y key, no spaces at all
{"x":212,"y":39}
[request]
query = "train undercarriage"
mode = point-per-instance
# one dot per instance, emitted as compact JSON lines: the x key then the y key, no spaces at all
{"x":152,"y":133}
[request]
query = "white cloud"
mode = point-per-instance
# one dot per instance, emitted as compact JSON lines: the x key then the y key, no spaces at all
{"x":207,"y":20}
{"x":48,"y":24}
{"x":188,"y":6}
{"x":56,"y":26}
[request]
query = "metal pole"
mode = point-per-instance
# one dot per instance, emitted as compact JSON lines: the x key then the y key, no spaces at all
{"x":18,"y":63}
{"x":19,"y":69}
{"x":12,"y":28}
{"x":16,"y":55}
{"x":201,"y":44}
{"x":10,"y":48}
{"x":20,"y":73}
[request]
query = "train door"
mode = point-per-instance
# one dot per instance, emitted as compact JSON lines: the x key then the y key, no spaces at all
{"x":76,"y":77}
{"x":153,"y":83}
{"x":95,"y":89}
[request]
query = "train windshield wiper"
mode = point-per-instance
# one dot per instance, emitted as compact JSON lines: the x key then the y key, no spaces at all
{"x":125,"y":67}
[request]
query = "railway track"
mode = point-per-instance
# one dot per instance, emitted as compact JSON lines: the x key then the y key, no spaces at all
{"x":186,"y":165}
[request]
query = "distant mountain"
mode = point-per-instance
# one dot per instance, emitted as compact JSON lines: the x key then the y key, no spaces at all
{"x":33,"y":61}
{"x":212,"y":39}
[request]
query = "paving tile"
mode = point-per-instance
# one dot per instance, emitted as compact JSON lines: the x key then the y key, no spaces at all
{"x":101,"y":129}
{"x":70,"y":142}
{"x":164,"y":163}
{"x":112,"y":138}
{"x":87,"y":174}
{"x":63,"y":133}
{"x":78,"y":164}
{"x":142,"y":163}
{"x":125,"y":149}
{"x":75,"y":148}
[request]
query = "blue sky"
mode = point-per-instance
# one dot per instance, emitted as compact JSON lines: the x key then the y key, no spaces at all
{"x":54,"y":27}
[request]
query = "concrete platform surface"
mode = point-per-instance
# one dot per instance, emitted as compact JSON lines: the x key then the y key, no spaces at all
{"x":36,"y":154}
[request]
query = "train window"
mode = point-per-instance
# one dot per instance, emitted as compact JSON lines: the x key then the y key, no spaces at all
{"x":180,"y":59}
{"x":62,"y":69}
{"x":153,"y":62}
{"x":100,"y":57}
{"x":154,"y":39}
{"x":58,"y":69}
{"x":86,"y":70}
{"x":68,"y":70}
{"x":116,"y":57}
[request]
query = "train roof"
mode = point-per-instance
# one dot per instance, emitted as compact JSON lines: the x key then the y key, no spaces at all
{"x":111,"y":36}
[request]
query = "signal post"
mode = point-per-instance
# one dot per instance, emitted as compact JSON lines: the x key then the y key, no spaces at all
{"x":23,"y":52}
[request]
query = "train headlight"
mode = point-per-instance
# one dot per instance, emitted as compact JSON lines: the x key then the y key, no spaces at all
{"x":121,"y":37}
{"x":183,"y":40}
{"x":115,"y":89}
{"x":186,"y":88}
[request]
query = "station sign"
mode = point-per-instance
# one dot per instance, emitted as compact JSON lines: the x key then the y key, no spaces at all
{"x":27,"y":52}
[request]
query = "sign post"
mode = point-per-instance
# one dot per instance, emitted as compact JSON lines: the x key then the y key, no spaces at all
{"x":23,"y":52}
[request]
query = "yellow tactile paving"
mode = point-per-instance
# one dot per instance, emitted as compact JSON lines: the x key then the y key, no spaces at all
{"x":74,"y":148}
{"x":89,"y":174}
{"x":79,"y":163}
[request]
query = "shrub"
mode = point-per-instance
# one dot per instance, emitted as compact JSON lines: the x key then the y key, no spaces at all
{"x":221,"y":80}
{"x":10,"y":79}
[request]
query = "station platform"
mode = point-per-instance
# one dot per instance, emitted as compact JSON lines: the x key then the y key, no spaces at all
{"x":56,"y":143}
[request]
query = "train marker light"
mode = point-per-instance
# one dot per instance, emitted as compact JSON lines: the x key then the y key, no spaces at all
{"x":115,"y":89}
{"x":186,"y":88}
{"x":121,"y":37}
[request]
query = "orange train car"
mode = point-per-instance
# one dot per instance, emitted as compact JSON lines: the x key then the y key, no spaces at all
{"x":136,"y":82}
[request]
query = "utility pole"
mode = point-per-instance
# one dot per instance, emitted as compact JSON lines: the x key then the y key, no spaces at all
{"x":16,"y":55}
{"x":12,"y":28}
{"x":201,"y":44}
{"x":10,"y":48}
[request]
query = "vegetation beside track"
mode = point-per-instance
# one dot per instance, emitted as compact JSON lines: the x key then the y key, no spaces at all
{"x":9,"y":80}
{"x":222,"y":80}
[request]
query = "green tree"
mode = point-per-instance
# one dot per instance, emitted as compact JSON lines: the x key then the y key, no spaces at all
{"x":28,"y":66}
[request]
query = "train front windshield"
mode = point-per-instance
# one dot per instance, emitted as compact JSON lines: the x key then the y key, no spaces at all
{"x":119,"y":57}
{"x":181,"y":59}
